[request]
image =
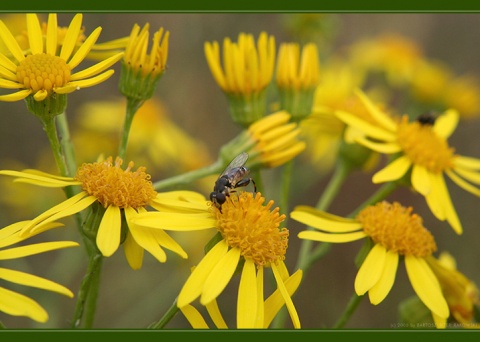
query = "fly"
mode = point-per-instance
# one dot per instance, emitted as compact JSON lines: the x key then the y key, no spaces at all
{"x":234,"y":176}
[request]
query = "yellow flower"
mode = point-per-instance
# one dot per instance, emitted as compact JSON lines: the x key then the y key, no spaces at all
{"x":247,"y":71}
{"x":423,"y":149}
{"x":16,"y":304}
{"x":120,"y":193}
{"x":249,"y":234}
{"x":142,"y":70}
{"x":271,"y":306}
{"x":459,"y":291}
{"x":396,"y":232}
{"x":461,"y":93}
{"x":43,"y":72}
{"x":270,"y":141}
{"x":297,"y":76}
{"x":429,"y":82}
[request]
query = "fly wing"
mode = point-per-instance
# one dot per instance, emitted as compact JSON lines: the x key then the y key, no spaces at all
{"x":238,"y":161}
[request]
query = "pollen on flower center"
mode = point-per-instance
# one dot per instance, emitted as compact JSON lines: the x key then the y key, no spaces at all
{"x":247,"y":224}
{"x":424,"y":147}
{"x":397,"y":229}
{"x":112,"y":185}
{"x":43,"y":72}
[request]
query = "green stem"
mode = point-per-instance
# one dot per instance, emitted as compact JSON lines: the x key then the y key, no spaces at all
{"x":306,"y":257}
{"x":50,"y":128}
{"x":190,"y":176}
{"x":286,"y":181}
{"x":350,"y":309}
{"x":132,"y":107}
{"x":66,"y":144}
{"x":171,"y":312}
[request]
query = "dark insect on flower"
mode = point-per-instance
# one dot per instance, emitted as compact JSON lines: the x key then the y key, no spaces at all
{"x":427,"y":118}
{"x":232,"y":177}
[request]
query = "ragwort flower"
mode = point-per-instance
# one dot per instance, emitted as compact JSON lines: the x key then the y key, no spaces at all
{"x":422,"y":148}
{"x":396,"y":233}
{"x":250,"y":234}
{"x":14,"y":303}
{"x":120,"y":192}
{"x":43,"y":72}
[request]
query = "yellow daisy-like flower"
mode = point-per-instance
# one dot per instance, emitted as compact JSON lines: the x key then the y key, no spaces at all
{"x":121,"y":193}
{"x":43,"y":72}
{"x":271,"y":306}
{"x":423,"y":149}
{"x":14,"y":303}
{"x":246,"y":73}
{"x":396,"y":232}
{"x":460,"y":292}
{"x":250,"y":234}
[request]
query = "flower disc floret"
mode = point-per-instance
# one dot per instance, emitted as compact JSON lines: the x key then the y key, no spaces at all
{"x":397,"y":229}
{"x":112,"y":185}
{"x":43,"y":72}
{"x":247,"y":224}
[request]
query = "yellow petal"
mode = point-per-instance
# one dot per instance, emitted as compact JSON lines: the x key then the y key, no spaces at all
{"x":44,"y":180}
{"x":71,"y":37}
{"x":84,"y":49}
{"x":194,"y":317}
{"x":108,"y":235}
{"x":381,"y":289}
{"x":374,"y":132}
{"x":52,"y":35}
{"x":426,"y":285}
{"x":317,"y":219}
{"x":380,"y":147}
{"x":286,"y":297}
{"x":15,"y":304}
{"x":133,"y":252}
{"x":216,"y":315}
{"x":446,"y":123}
{"x":469,"y":174}
{"x":85,"y":83}
{"x":377,"y":114}
{"x":462,"y":183}
{"x":247,"y":297}
{"x":10,"y":84}
{"x":96,"y":69}
{"x":10,"y":67}
{"x":212,"y":54}
{"x":145,"y":239}
{"x":371,"y":269}
{"x":274,"y":303}
{"x":421,"y":179}
{"x":35,"y":37}
{"x":175,"y":221}
{"x":8,"y":239}
{"x":37,"y":248}
{"x":260,"y":307}
{"x":10,"y":42}
{"x":467,"y":162}
{"x":194,"y":284}
{"x":220,"y":275}
{"x":393,"y":171}
{"x":333,"y":238}
{"x":19,"y":95}
{"x":26,"y":279}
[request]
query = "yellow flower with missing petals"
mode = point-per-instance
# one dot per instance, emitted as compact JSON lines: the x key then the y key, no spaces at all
{"x":250,"y":239}
{"x":460,"y":292}
{"x":14,"y":303}
{"x":271,"y":306}
{"x":246,"y":73}
{"x":423,"y":150}
{"x":396,"y":232}
{"x":43,"y":72}
{"x":119,"y":193}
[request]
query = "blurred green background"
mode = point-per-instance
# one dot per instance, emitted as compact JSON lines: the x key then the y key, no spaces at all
{"x":191,"y":98}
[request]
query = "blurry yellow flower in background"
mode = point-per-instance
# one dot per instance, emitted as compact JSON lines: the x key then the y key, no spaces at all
{"x":117,"y":193}
{"x":396,"y":232}
{"x":27,"y":73}
{"x":245,"y":73}
{"x":424,"y":156}
{"x":460,"y":292}
{"x":429,"y":82}
{"x":463,"y":94}
{"x":14,"y":303}
{"x":249,"y":234}
{"x":392,"y":54}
